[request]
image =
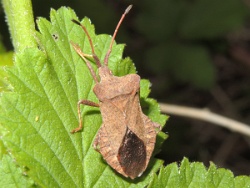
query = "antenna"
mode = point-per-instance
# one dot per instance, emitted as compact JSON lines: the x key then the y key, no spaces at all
{"x":114,"y":35}
{"x":97,"y":60}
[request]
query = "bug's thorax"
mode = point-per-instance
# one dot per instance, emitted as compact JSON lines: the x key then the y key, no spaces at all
{"x":111,"y":86}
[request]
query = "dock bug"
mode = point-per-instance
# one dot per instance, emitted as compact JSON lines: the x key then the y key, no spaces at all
{"x":127,"y":137}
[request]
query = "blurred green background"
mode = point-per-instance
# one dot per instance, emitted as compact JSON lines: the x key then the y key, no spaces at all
{"x":195,"y":53}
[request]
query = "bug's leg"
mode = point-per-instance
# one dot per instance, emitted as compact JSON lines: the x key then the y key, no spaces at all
{"x":83,"y":102}
{"x":97,"y":60}
{"x":83,"y":56}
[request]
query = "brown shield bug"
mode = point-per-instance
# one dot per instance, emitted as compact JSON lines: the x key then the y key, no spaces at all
{"x":127,"y":137}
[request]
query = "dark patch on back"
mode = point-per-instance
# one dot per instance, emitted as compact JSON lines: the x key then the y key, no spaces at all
{"x":132,"y":154}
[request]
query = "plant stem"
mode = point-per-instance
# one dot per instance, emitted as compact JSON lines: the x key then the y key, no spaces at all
{"x":206,"y":115}
{"x":20,"y":19}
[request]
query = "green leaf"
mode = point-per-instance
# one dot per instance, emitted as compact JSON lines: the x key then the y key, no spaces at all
{"x":11,"y":175}
{"x":42,"y":110}
{"x":195,"y":174}
{"x":219,"y":177}
{"x":242,"y":182}
{"x":6,"y":58}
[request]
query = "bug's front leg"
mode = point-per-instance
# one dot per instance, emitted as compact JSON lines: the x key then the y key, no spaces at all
{"x":83,"y":102}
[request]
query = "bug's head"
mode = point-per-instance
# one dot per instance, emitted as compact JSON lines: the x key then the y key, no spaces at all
{"x":104,"y":72}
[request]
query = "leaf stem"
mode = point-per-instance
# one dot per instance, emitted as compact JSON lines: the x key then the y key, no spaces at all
{"x":20,"y":19}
